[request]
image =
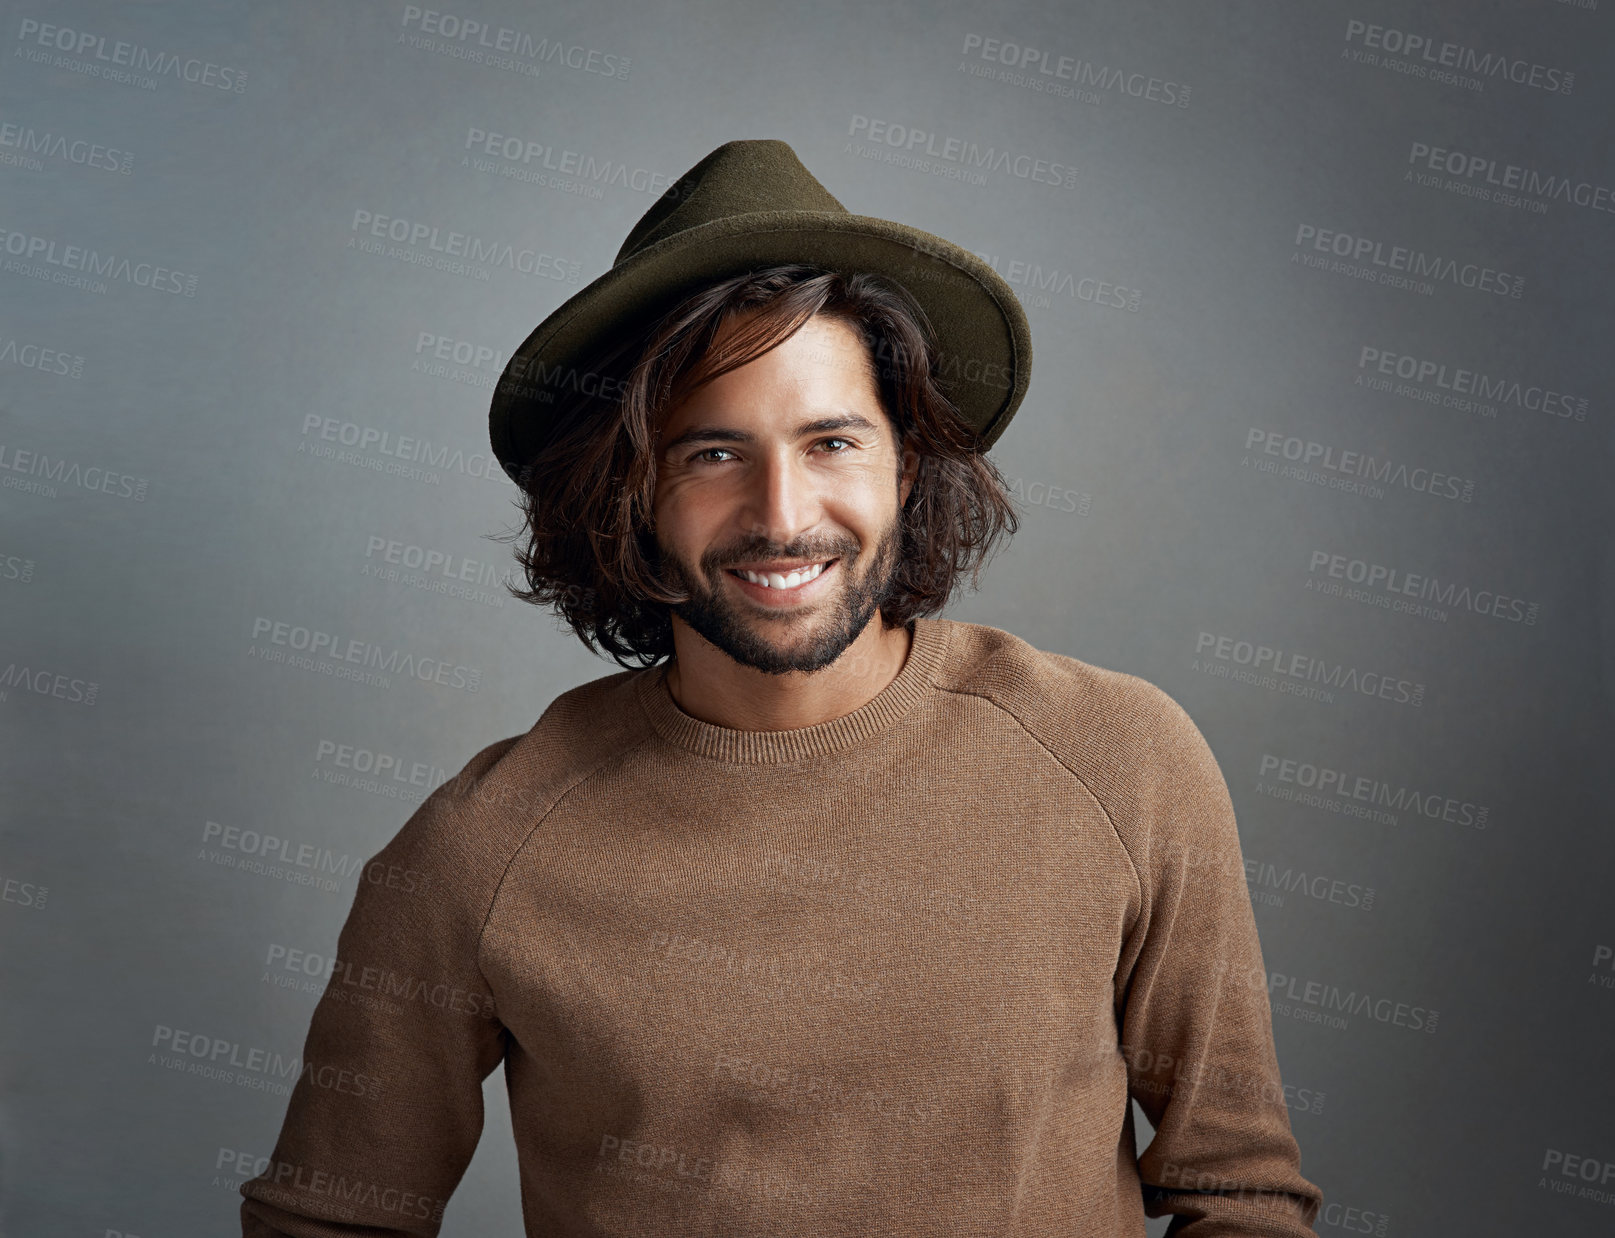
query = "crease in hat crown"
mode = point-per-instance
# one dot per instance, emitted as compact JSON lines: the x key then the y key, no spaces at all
{"x":748,"y":204}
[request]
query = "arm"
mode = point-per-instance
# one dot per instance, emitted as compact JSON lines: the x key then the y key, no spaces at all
{"x":387,"y":1110}
{"x":1196,"y":1024}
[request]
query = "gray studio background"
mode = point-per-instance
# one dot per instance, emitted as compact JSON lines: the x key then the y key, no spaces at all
{"x":1274,"y":486}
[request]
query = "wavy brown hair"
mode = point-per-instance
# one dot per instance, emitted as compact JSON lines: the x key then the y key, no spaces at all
{"x":588,"y":495}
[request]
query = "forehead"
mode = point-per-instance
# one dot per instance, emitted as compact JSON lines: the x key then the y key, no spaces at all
{"x":822,"y":366}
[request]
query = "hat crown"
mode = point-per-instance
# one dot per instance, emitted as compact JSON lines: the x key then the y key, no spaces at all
{"x":739,"y":178}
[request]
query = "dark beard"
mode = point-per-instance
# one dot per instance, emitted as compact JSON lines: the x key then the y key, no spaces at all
{"x":711,"y":614}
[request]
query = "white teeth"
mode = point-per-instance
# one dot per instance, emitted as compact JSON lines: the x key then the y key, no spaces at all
{"x":774,"y":580}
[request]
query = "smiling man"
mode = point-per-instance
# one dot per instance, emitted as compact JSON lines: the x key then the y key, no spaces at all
{"x":826,"y":915}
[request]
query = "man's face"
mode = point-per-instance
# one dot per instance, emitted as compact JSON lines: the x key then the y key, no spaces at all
{"x":787,"y":463}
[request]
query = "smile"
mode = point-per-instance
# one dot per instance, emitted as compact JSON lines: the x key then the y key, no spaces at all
{"x":782,"y":580}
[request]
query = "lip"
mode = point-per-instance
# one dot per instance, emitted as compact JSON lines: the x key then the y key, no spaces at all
{"x":784,"y":597}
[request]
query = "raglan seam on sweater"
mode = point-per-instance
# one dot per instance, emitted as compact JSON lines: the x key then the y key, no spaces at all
{"x":1138,"y":877}
{"x":487,"y":917}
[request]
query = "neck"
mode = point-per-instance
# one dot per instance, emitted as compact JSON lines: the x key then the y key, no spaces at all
{"x":709,"y":685}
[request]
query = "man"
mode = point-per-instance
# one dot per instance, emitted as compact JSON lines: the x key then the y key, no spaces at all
{"x":831,"y":917}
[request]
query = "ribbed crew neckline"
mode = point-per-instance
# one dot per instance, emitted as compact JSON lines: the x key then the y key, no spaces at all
{"x":911,"y":685}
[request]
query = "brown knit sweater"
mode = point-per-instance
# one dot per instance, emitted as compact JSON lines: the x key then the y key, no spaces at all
{"x":897,"y":973}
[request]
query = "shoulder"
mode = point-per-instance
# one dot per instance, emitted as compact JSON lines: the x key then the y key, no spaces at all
{"x":473,"y":822}
{"x":1061,"y":698}
{"x":1128,"y":740}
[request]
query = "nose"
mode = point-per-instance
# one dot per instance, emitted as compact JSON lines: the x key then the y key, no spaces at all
{"x":781,"y":499}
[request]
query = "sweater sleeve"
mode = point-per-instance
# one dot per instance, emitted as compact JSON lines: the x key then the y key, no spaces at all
{"x":1196,"y":1025}
{"x":387,"y":1109}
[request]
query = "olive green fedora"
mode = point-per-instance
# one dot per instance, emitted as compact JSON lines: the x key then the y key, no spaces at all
{"x":752,"y":204}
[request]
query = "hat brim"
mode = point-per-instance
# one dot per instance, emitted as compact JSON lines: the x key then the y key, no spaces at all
{"x":984,"y":340}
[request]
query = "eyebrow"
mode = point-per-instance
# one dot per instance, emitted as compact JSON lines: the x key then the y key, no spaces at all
{"x":724,"y":434}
